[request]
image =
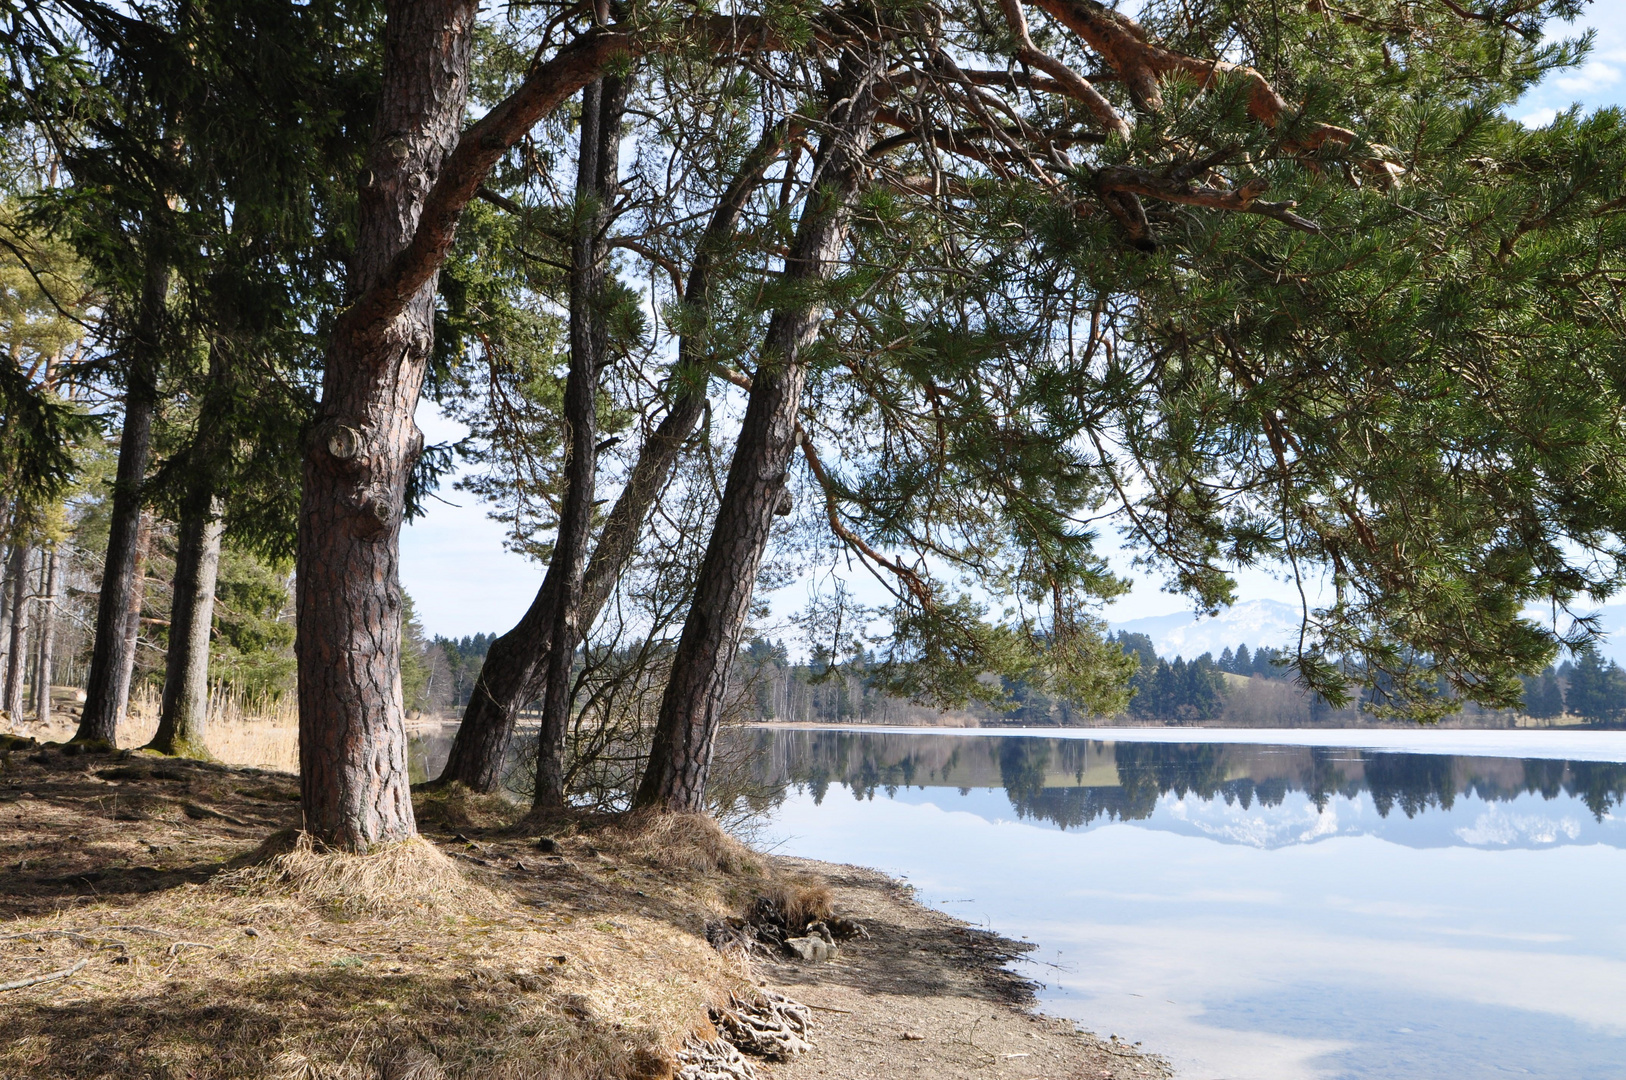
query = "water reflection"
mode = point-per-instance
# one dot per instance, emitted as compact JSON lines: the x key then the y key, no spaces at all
{"x":1073,"y":783}
{"x":1280,"y":912}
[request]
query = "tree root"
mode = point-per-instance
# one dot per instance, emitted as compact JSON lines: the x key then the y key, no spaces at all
{"x":774,"y":1027}
{"x":716,"y":1059}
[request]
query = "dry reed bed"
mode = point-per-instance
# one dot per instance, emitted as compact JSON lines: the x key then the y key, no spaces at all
{"x":218,"y":947}
{"x":261,"y":733}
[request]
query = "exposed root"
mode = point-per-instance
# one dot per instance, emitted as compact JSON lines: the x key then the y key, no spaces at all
{"x":408,"y":878}
{"x":792,"y":918}
{"x":774,"y":1026}
{"x":716,"y":1059}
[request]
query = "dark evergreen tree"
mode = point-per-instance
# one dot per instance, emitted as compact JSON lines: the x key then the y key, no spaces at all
{"x":1543,"y":700}
{"x":1597,"y":692}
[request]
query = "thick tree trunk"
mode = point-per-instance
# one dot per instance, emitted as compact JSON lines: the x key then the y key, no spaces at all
{"x":113,"y":653}
{"x":17,"y":645}
{"x":598,"y":171}
{"x":183,"y":720}
{"x":675,"y":778}
{"x":352,"y":737}
{"x":47,"y":635}
{"x":512,"y":673}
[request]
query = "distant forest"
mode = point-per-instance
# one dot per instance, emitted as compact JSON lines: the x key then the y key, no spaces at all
{"x":1244,"y":687}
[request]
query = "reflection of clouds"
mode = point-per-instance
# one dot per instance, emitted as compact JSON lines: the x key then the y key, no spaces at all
{"x":1497,"y":826}
{"x":1263,"y":961}
{"x":1258,"y":828}
{"x":1391,"y":909}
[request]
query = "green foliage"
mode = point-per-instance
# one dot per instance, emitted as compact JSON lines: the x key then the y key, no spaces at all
{"x":414,"y":659}
{"x":1597,"y":692}
{"x":1543,"y":699}
{"x":44,"y":305}
{"x":251,"y":651}
{"x":1180,"y":692}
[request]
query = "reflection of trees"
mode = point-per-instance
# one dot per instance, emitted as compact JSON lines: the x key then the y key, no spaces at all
{"x":865,"y":762}
{"x":1599,"y":784}
{"x":1415,"y":781}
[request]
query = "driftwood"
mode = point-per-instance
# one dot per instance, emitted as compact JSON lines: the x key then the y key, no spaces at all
{"x":47,"y":977}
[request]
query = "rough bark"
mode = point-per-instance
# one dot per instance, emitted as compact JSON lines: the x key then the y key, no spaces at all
{"x":183,"y":720}
{"x":47,"y":635}
{"x":598,"y":172}
{"x":132,"y":618}
{"x":17,"y":646}
{"x":512,"y":672}
{"x":113,"y":652}
{"x":5,"y":610}
{"x":680,"y":757}
{"x":352,"y":735}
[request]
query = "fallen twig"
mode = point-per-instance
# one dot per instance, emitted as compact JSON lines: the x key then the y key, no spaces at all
{"x":47,"y":933}
{"x":179,"y":945}
{"x":47,"y":977}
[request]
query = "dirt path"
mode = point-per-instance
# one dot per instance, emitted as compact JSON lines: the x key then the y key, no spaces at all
{"x":928,"y":996}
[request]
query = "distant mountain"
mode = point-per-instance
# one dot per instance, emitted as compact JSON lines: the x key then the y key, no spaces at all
{"x":1252,"y":623}
{"x":1270,"y":622}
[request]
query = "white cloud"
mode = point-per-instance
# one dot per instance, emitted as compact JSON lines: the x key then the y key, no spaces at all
{"x":1593,"y":76}
{"x":1539,"y":118}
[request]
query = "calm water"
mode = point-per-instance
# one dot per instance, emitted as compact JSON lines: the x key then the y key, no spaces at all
{"x":1435,"y":905}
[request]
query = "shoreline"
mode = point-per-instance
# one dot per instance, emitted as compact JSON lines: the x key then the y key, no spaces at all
{"x":196,"y":942}
{"x":1579,"y":745}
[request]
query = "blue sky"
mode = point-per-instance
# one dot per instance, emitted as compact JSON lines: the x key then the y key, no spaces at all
{"x":464,"y":581}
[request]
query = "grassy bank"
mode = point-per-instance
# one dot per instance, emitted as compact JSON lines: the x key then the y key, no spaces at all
{"x":201,"y":939}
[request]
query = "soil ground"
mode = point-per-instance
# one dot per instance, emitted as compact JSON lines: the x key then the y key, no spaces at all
{"x":592,"y":964}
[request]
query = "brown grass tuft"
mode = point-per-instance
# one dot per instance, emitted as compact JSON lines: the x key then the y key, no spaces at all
{"x":688,"y":842}
{"x":412,"y":877}
{"x":455,"y":808}
{"x":801,"y":900}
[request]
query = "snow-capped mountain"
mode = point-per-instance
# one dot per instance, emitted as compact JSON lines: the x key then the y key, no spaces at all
{"x":1270,"y":622}
{"x":1252,"y":623}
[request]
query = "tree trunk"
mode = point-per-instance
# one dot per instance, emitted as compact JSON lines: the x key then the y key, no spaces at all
{"x":47,"y":635}
{"x":5,"y":610}
{"x":512,"y":673}
{"x":675,"y":778}
{"x":132,"y":618}
{"x":598,"y":171}
{"x":17,"y":647}
{"x":113,"y":653}
{"x":183,"y":720}
{"x":352,"y":735}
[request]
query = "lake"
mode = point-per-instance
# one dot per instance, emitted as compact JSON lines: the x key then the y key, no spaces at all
{"x":1280,"y":905}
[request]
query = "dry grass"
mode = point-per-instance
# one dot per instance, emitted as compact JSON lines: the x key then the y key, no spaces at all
{"x":800,"y":899}
{"x":393,"y":881}
{"x":214,"y":953}
{"x":242,"y":731}
{"x":690,"y":842}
